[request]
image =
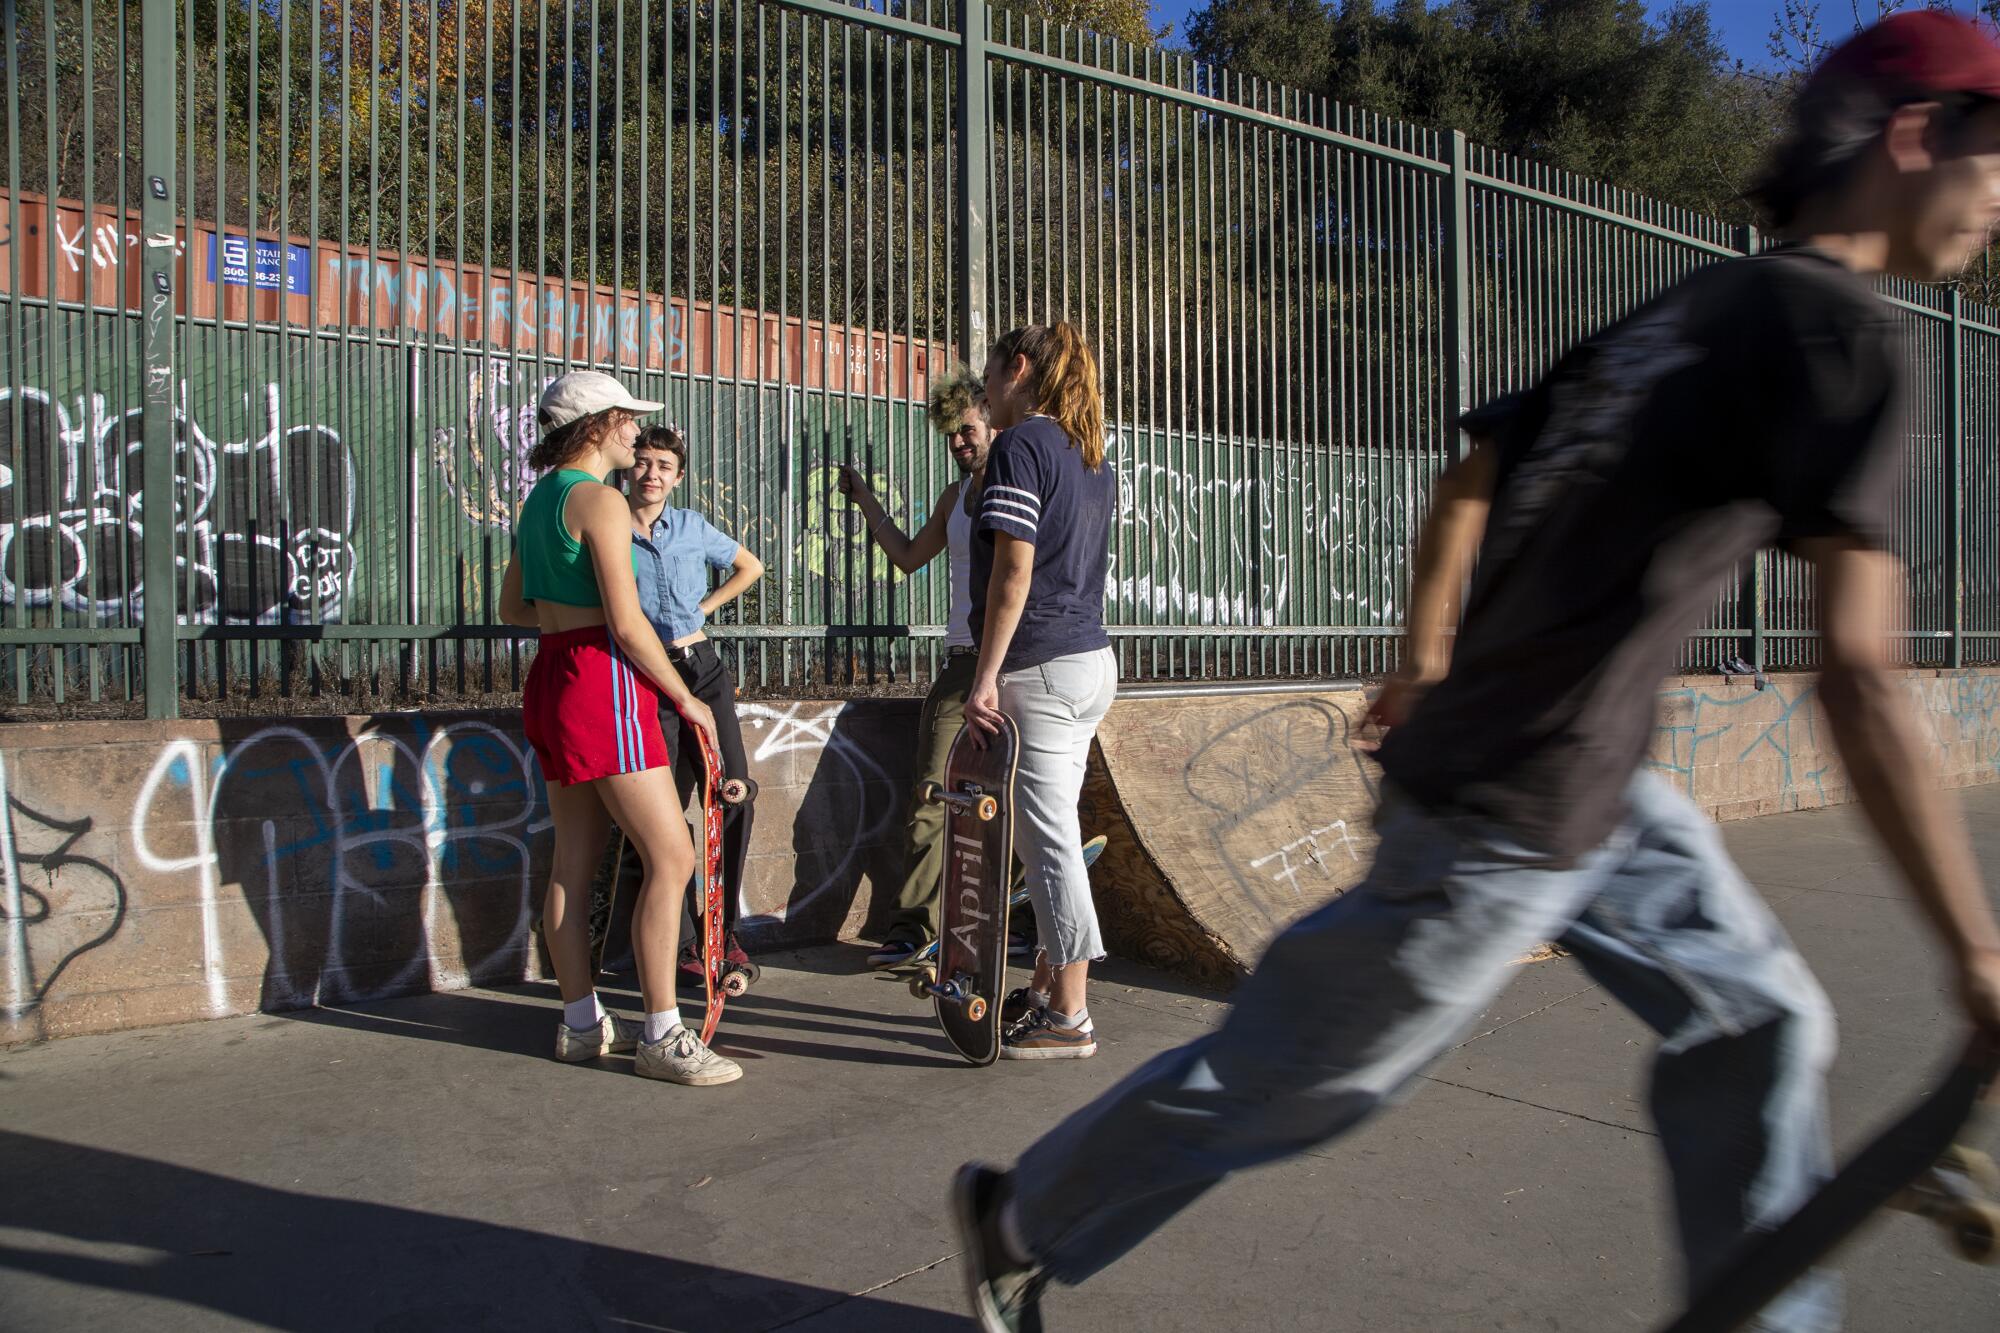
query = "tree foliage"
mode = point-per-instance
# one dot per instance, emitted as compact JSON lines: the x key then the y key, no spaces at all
{"x":1591,"y":86}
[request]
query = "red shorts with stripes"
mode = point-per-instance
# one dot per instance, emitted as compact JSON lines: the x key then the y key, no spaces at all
{"x":587,"y":712}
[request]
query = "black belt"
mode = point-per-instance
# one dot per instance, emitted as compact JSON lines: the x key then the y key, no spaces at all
{"x":960,"y":651}
{"x":684,"y":654}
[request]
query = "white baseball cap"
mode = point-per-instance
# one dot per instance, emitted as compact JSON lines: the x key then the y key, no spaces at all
{"x":584,"y":393}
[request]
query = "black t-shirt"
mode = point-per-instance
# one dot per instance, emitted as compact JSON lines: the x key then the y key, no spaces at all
{"x":1755,"y":401}
{"x":1037,"y":489}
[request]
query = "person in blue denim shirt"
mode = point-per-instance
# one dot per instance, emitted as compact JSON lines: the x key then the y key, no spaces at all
{"x":674,"y":552}
{"x":1755,"y":402}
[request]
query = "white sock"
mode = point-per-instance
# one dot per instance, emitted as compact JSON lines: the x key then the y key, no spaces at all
{"x":585,"y":1014}
{"x":1080,"y":1020}
{"x":660,"y":1024}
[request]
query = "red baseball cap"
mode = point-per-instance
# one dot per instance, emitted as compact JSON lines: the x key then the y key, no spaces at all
{"x":1923,"y":51}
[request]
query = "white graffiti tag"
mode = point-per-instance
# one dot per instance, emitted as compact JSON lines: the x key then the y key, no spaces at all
{"x":1313,"y":855}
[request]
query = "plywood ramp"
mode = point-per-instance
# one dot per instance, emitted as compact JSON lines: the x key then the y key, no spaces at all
{"x":1226,"y":818}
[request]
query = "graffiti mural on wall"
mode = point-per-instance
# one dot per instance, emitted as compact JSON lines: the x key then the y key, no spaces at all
{"x":1704,"y":730}
{"x":263,"y":524}
{"x":349,"y":856}
{"x":235,"y":867}
{"x":484,"y":463}
{"x":379,"y":864}
{"x":59,"y":903}
{"x":1187,"y":523}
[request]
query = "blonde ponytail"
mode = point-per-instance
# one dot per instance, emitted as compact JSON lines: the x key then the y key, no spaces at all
{"x":1065,"y":382}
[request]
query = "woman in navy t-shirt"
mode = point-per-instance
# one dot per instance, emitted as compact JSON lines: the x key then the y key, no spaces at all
{"x":1038,"y":567}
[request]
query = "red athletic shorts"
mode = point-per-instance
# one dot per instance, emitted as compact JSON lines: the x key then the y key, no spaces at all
{"x":587,"y":712}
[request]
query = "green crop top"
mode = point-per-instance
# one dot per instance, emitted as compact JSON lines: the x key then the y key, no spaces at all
{"x":555,"y":567}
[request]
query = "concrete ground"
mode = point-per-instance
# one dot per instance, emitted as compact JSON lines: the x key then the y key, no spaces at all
{"x":422,"y":1164}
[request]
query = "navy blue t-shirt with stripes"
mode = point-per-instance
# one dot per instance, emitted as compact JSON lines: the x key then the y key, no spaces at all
{"x":1038,"y":490}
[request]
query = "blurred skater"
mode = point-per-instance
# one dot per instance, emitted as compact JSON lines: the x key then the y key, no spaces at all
{"x":1754,"y":402}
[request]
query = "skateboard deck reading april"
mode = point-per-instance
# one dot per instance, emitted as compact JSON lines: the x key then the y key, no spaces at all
{"x":970,"y":972}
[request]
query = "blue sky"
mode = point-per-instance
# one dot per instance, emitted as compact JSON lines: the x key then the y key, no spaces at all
{"x":1745,"y":25}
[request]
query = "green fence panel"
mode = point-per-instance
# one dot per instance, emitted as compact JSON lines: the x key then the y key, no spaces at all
{"x":280,"y":282}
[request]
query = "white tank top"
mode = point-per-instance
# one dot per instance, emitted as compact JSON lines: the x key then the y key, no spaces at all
{"x":958,"y":550}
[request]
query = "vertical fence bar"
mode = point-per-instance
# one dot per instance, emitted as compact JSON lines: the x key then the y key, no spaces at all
{"x":1954,"y":474}
{"x":157,"y":211}
{"x":974,"y":187}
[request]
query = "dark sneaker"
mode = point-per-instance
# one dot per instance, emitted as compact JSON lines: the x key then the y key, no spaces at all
{"x":1005,"y":1295}
{"x":894,"y":953}
{"x":732,"y":952}
{"x":1017,"y":1005}
{"x":690,"y":963}
{"x":1036,"y":1038}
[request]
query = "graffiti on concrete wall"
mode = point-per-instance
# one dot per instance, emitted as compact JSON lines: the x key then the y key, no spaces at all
{"x":850,"y":820}
{"x":263,"y":524}
{"x":372,"y":865}
{"x":1706,"y":729}
{"x":349,"y":856}
{"x":60,"y":903}
{"x":276,"y":866}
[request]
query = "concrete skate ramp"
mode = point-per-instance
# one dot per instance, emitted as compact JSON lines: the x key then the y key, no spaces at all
{"x":1226,"y":818}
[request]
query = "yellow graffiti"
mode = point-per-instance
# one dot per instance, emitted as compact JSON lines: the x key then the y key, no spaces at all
{"x":834,"y":541}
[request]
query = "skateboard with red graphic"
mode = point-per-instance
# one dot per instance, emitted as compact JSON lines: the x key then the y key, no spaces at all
{"x":1920,"y":1164}
{"x":611,"y":918}
{"x":969,"y":974}
{"x":721,"y":982}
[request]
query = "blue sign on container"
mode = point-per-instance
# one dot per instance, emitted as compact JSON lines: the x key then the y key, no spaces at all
{"x":294,"y":262}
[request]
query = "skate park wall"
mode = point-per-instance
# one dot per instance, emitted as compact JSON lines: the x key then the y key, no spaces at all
{"x":164,"y":872}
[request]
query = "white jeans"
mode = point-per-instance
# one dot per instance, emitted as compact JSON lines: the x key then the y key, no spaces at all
{"x":1057,"y":707}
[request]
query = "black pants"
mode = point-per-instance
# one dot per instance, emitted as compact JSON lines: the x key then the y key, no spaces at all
{"x":709,"y":681}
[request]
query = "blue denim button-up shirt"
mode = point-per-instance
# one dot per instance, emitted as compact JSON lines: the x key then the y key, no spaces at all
{"x":672,"y":565}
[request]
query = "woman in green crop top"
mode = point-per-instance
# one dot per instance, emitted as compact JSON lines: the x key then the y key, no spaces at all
{"x":590,"y":708}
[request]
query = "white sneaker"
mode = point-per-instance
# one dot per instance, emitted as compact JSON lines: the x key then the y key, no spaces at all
{"x":612,"y":1033}
{"x":680,"y":1057}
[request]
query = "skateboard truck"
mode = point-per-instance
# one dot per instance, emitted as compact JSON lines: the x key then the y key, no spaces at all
{"x":980,"y":805}
{"x":959,"y":991}
{"x":1958,"y":1194}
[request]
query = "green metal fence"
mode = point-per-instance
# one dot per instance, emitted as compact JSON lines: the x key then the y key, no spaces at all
{"x":333,"y":249}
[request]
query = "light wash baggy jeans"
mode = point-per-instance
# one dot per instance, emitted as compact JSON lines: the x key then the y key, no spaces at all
{"x":1354,"y":1000}
{"x":1057,"y":707}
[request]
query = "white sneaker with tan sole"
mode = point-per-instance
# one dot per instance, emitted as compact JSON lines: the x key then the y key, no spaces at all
{"x":680,"y":1057}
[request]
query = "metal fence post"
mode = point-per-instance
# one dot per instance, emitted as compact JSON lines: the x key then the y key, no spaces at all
{"x":157,"y":219}
{"x":1954,"y":483}
{"x":1458,"y":302}
{"x":1760,"y":561}
{"x":969,"y":120}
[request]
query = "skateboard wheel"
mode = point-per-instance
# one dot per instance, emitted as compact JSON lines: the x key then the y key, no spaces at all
{"x":975,"y":1008}
{"x":1976,"y":1229}
{"x":988,"y":808}
{"x":735,"y":983}
{"x":932,"y":792}
{"x":735,"y":791}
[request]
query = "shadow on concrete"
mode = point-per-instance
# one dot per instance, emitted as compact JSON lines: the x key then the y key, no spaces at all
{"x":860,"y":785}
{"x":518,"y":1021}
{"x":291,"y":1260}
